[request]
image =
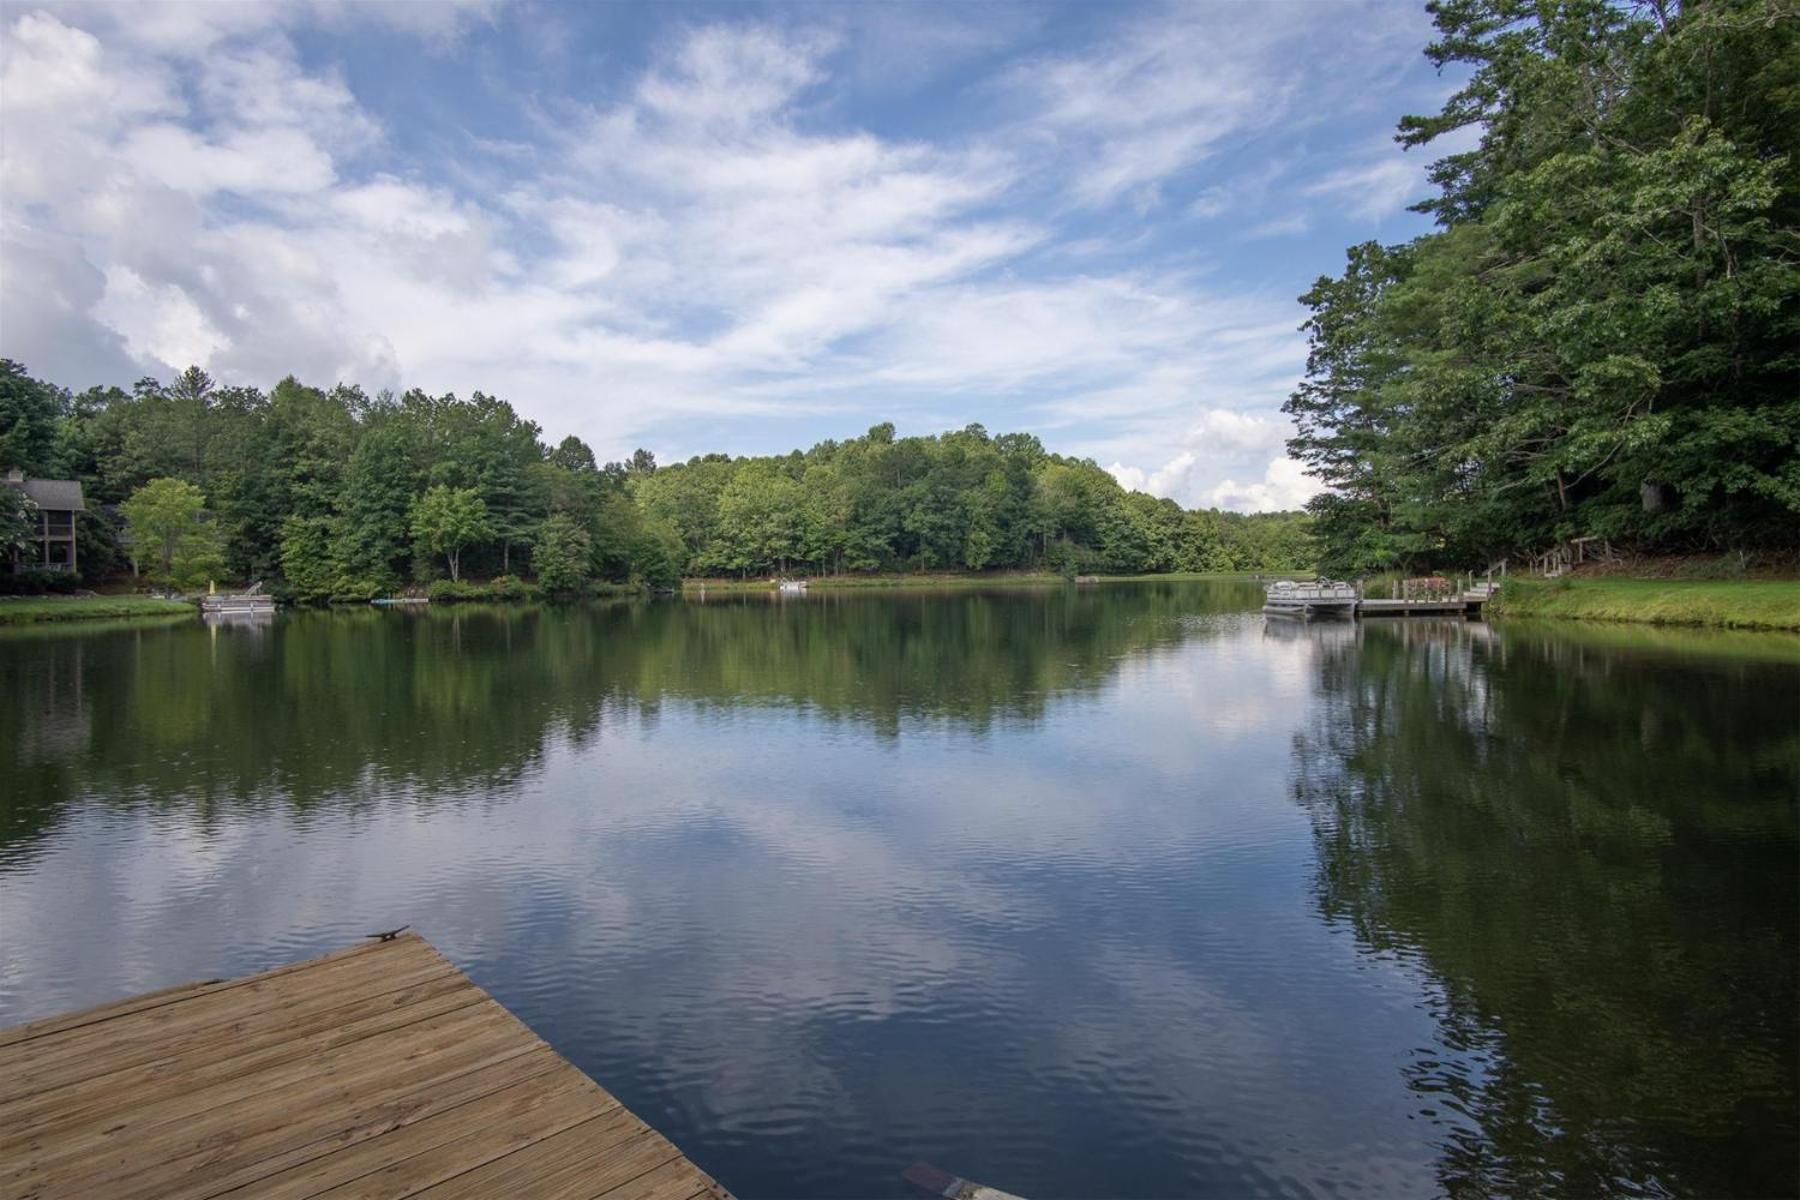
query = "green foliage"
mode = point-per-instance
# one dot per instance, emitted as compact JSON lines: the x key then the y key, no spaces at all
{"x":376,"y":502}
{"x":355,"y":589}
{"x":307,"y":560}
{"x":457,"y":591}
{"x":454,"y":591}
{"x":657,"y":555}
{"x":1601,"y":341}
{"x":332,"y":494}
{"x":34,"y":582}
{"x":167,"y":520}
{"x":28,"y":417}
{"x":18,"y":521}
{"x":86,"y":608}
{"x":561,"y":553}
{"x":1729,"y":604}
{"x":961,"y":500}
{"x":446,"y":519}
{"x":510,"y":587}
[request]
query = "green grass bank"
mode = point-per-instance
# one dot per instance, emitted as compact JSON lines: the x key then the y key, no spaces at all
{"x":31,"y":609}
{"x":1712,"y":603}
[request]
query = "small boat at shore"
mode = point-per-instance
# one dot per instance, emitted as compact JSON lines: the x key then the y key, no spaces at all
{"x":791,"y":585}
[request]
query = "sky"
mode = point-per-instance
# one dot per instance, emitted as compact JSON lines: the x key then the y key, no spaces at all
{"x":730,"y":227}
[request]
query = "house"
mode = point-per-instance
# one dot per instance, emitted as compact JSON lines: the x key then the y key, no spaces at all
{"x":56,"y":501}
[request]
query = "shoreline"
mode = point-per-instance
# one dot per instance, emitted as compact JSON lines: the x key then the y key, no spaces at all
{"x":946,"y":579}
{"x":1769,"y":605}
{"x":31,"y":610}
{"x":1754,"y":604}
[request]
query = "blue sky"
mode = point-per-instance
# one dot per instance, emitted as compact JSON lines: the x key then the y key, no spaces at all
{"x":718,"y":227}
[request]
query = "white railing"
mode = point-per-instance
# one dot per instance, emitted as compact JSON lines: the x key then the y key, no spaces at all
{"x":1308,"y":593}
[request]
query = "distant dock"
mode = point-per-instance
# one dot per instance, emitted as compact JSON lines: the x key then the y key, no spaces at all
{"x":1328,"y":599}
{"x":380,"y":1070}
{"x":237,"y":604}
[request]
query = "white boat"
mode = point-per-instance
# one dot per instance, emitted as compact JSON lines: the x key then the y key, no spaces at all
{"x":1323,"y":597}
{"x":792,"y":585}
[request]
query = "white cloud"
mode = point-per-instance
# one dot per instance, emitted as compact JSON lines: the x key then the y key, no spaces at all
{"x":159,"y":321}
{"x":1377,"y":188}
{"x":1284,"y":485}
{"x":1279,"y":227}
{"x":280,"y":160}
{"x":191,"y":28}
{"x":725,"y":78}
{"x":1156,"y":99}
{"x":1218,"y":441}
{"x":182,"y":184}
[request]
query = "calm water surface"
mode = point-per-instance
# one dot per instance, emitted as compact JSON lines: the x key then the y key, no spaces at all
{"x":1115,"y":891}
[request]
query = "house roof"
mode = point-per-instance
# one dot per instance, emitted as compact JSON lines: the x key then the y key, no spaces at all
{"x":57,"y":494}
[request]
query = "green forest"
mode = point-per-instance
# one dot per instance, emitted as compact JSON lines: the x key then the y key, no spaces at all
{"x":338,"y":495}
{"x":1601,"y":339}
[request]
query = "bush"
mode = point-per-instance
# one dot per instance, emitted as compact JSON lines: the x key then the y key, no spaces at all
{"x":38,"y":583}
{"x":454,"y":591}
{"x":457,"y":591}
{"x":509,"y":587}
{"x":562,"y":554}
{"x":357,"y":591}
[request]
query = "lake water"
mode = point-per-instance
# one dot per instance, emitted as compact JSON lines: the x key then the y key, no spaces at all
{"x":1116,"y":891}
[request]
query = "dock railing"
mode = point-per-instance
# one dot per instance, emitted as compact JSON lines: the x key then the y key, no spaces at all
{"x":1325,"y":590}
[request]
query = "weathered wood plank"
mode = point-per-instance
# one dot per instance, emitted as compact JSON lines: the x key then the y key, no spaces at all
{"x":237,"y":1080}
{"x":284,"y":1102}
{"x":171,"y":995}
{"x":448,"y":1142}
{"x":63,"y":1063}
{"x":335,"y":978}
{"x":677,"y":1179}
{"x":90,"y":1099}
{"x":379,"y":1071}
{"x":559,"y":1168}
{"x":600,"y":1129}
{"x":221,"y":1173}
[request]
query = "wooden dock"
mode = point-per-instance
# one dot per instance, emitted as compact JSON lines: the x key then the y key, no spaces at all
{"x":1450,"y":606}
{"x":1307,"y":601}
{"x":237,"y":603}
{"x":378,"y":1071}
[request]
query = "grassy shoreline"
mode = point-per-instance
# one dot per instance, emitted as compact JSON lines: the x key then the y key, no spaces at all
{"x":31,"y":609}
{"x":1711,"y":603}
{"x":947,"y":579}
{"x":1752,"y":604}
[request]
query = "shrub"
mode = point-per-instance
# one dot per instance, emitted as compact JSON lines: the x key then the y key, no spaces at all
{"x":508,"y":587}
{"x":457,"y":591}
{"x":562,"y":554}
{"x":38,"y":583}
{"x":357,"y":591}
{"x":454,"y":591}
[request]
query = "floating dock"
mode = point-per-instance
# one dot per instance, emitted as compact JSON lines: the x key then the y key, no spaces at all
{"x":1449,"y":606}
{"x":236,"y":603}
{"x":1309,"y":600}
{"x":378,"y":1071}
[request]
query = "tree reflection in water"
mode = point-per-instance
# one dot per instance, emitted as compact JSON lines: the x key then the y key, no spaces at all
{"x":450,"y":704}
{"x":1590,"y":843}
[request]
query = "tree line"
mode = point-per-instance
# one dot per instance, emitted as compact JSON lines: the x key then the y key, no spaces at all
{"x":1602,"y":338}
{"x":336,"y":494}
